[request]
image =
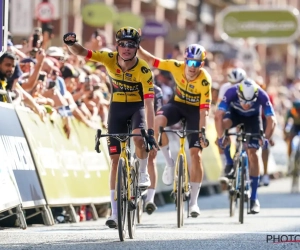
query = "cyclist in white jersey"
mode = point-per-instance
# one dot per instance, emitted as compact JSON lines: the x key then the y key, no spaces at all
{"x":235,"y":76}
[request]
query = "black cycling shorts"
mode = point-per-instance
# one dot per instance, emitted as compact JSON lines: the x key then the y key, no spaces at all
{"x":252,"y":124}
{"x":174,"y":112}
{"x":119,"y":114}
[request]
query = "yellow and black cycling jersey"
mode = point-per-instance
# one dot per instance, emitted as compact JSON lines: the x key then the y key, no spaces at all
{"x":196,"y":92}
{"x":134,"y":85}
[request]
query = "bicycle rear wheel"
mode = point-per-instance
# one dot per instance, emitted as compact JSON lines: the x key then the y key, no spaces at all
{"x":180,"y":191}
{"x":122,"y":185}
{"x":132,"y":205}
{"x":242,"y":191}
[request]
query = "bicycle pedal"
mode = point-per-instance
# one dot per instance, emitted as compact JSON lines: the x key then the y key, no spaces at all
{"x":131,"y":206}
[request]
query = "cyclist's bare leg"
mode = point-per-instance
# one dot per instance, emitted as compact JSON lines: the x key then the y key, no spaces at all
{"x":153,"y":178}
{"x":265,"y":158}
{"x":196,"y":175}
{"x":142,"y":157}
{"x":161,"y":121}
{"x":254,"y":169}
{"x":168,"y":174}
{"x":113,"y":173}
{"x":227,"y":124}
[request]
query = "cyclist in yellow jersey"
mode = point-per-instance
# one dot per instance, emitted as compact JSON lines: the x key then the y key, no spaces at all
{"x":191,"y":101}
{"x":132,"y":98}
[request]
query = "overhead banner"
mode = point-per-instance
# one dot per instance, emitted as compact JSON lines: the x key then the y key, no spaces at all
{"x":18,"y":158}
{"x":265,"y":24}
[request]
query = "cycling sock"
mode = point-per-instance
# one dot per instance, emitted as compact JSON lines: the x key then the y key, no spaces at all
{"x":143,"y":165}
{"x":229,"y":160}
{"x":254,"y":185}
{"x":195,"y":189}
{"x":150,"y":195}
{"x":113,"y":203}
{"x":167,"y":154}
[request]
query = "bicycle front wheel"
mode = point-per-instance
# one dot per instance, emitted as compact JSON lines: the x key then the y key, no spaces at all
{"x":242,"y":191}
{"x":295,"y":173}
{"x":132,"y":204}
{"x":180,"y":191}
{"x":122,"y":185}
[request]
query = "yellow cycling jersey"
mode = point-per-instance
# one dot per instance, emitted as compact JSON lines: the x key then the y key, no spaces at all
{"x":134,"y":85}
{"x":196,"y":92}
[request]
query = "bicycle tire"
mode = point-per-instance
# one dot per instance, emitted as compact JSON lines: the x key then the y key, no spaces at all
{"x":131,"y":215}
{"x":295,"y":172}
{"x":179,"y":199}
{"x":242,"y":191}
{"x":121,"y":199}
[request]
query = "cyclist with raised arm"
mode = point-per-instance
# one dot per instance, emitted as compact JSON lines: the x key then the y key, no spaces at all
{"x":191,"y":100}
{"x":242,"y":103}
{"x":132,"y":98}
{"x":235,"y":76}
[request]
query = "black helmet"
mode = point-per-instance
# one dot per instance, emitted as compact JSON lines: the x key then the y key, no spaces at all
{"x":128,"y":33}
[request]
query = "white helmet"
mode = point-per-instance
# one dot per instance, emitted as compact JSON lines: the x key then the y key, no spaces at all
{"x":248,"y":90}
{"x":195,"y":51}
{"x":236,"y":75}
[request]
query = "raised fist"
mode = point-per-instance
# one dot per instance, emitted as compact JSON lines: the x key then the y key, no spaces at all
{"x":70,"y":38}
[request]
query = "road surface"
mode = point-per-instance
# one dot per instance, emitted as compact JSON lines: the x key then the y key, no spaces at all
{"x":214,"y":229}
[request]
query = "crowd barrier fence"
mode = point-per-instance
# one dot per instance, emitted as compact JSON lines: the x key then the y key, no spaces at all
{"x":41,"y":168}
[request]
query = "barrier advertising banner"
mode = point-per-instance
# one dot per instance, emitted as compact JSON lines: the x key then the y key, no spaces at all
{"x":71,"y":172}
{"x":15,"y":148}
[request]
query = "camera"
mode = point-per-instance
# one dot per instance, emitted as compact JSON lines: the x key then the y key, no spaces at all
{"x":36,"y":37}
{"x":42,"y":78}
{"x":33,"y":52}
{"x":51,"y":85}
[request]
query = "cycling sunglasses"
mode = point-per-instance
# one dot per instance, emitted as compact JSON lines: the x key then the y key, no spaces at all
{"x":193,"y":63}
{"x":130,"y":45}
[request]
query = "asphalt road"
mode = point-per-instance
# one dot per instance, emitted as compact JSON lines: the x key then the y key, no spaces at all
{"x":214,"y":229}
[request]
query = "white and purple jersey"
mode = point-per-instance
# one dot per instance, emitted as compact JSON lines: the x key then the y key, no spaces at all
{"x":231,"y":100}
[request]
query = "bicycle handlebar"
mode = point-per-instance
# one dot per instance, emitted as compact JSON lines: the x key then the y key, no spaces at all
{"x":246,"y":136}
{"x":120,"y":137}
{"x":181,"y":133}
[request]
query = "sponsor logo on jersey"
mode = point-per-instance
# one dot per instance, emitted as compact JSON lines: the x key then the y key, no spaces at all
{"x":151,"y":89}
{"x":191,"y":86}
{"x":118,"y":71}
{"x":145,"y":70}
{"x":177,"y":64}
{"x":205,"y":82}
{"x":128,"y":75}
{"x":110,"y":55}
{"x":207,"y":100}
{"x":125,"y":87}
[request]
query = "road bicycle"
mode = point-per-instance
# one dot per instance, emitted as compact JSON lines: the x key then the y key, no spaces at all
{"x":127,"y":192}
{"x":239,"y":184}
{"x":181,"y":186}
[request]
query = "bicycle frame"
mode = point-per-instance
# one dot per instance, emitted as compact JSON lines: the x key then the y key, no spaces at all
{"x":125,"y":152}
{"x":181,"y":151}
{"x":182,"y":134}
{"x":240,"y":155}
